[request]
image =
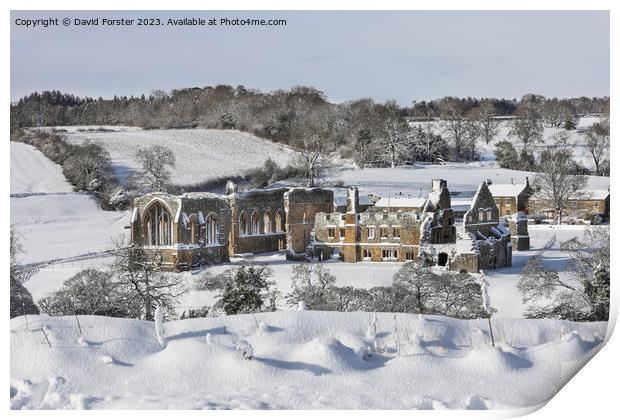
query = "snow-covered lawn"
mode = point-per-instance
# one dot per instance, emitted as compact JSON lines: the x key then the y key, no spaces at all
{"x":302,"y":360}
{"x":200,"y":154}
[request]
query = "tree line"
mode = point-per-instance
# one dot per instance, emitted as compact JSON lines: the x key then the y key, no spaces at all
{"x":374,"y":134}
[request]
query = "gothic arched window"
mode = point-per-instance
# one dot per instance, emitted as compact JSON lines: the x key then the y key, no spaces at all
{"x":158,"y":225}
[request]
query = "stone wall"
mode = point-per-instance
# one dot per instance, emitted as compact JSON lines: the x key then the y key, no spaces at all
{"x":301,"y":205}
{"x":259,"y":204}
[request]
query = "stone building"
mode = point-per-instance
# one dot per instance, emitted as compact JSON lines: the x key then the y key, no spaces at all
{"x":429,"y":236}
{"x":583,"y":205}
{"x":489,"y":240}
{"x":511,"y":198}
{"x":204,"y":228}
{"x":373,"y":235}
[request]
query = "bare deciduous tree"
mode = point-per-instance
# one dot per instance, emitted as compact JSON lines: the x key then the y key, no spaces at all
{"x":557,"y":182}
{"x":394,"y":141}
{"x":597,"y":142}
{"x":139,"y":275}
{"x":483,"y":119}
{"x":311,"y":143}
{"x":583,"y":296}
{"x":528,"y":126}
{"x":455,"y":126}
{"x":157,"y":162}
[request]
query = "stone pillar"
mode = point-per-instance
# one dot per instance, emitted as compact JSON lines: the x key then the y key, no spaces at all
{"x":519,"y":235}
{"x":351,"y":246}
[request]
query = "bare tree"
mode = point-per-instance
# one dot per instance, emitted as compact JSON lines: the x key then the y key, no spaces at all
{"x":311,"y":143}
{"x":139,"y":275}
{"x":557,"y":182}
{"x":528,"y":126}
{"x":557,"y":112}
{"x":583,"y":296}
{"x":455,"y":126}
{"x":597,"y":142}
{"x":157,"y":162}
{"x":483,"y":119}
{"x":394,"y":140}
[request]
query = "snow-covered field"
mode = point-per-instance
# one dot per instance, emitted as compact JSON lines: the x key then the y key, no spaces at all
{"x":51,"y":221}
{"x":200,"y":154}
{"x":302,"y":360}
{"x":415,"y":181}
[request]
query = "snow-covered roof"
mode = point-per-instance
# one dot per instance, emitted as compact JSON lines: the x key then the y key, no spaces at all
{"x":461,"y":204}
{"x":506,"y":190}
{"x":595,"y":195}
{"x":585,"y":195}
{"x":364,"y":200}
{"x":406,"y":202}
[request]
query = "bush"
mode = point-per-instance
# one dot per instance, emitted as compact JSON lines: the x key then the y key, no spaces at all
{"x":196,"y":313}
{"x":21,"y":302}
{"x":209,"y":281}
{"x":89,"y":292}
{"x":416,"y":289}
{"x":247,"y":292}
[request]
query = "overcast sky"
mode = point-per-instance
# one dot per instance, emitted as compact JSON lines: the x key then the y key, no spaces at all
{"x":401,"y":55}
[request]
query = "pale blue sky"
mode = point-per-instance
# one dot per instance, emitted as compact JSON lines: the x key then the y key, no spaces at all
{"x":402,"y":55}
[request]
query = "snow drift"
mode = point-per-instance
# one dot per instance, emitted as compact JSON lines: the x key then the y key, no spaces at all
{"x":295,"y":360}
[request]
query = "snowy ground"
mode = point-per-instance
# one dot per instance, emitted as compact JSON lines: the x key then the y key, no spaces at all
{"x":415,"y":181}
{"x":51,"y":221}
{"x":200,"y":154}
{"x":302,"y":360}
{"x":54,"y":223}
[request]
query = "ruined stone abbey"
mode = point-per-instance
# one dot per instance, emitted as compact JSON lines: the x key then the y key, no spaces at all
{"x":195,"y":229}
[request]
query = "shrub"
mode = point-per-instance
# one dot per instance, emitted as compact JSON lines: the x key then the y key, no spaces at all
{"x":89,"y":292}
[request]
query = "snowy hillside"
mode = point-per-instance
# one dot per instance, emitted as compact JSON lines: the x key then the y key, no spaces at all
{"x":200,"y":154}
{"x":302,"y":360}
{"x":51,"y":221}
{"x":32,"y":172}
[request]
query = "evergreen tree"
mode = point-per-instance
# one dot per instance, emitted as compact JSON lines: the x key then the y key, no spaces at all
{"x":248,"y":292}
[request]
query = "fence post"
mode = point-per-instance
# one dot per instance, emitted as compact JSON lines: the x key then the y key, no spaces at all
{"x":46,"y":339}
{"x":491,"y":331}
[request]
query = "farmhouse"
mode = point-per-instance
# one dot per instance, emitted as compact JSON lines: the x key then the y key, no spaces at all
{"x":583,"y":205}
{"x":511,"y":198}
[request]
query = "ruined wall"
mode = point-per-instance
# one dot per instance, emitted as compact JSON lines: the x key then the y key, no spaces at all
{"x":188,"y":215}
{"x":301,"y":205}
{"x":519,"y":234}
{"x":465,"y":262}
{"x":257,"y":203}
{"x":483,"y":214}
